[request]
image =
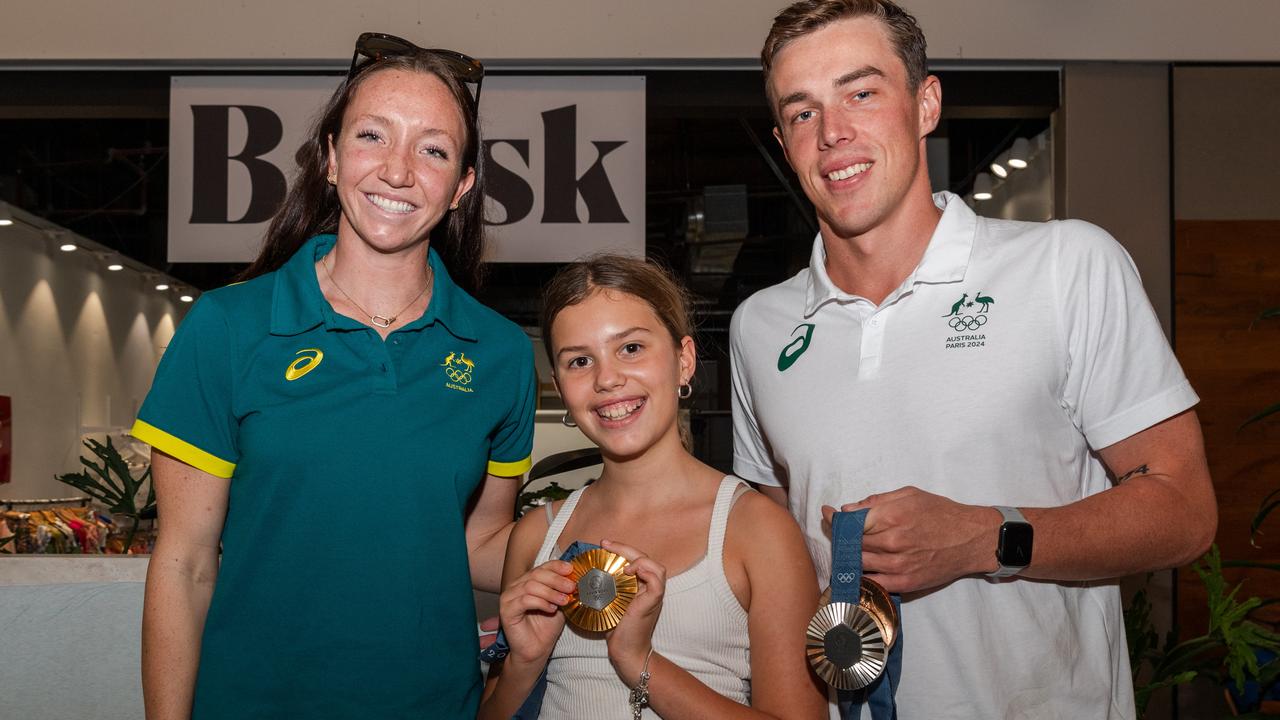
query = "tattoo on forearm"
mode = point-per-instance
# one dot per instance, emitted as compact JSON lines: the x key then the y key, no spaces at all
{"x":1140,"y":470}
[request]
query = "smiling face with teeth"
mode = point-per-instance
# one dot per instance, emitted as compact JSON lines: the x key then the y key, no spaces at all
{"x":618,"y":370}
{"x":851,"y":128}
{"x":398,"y":159}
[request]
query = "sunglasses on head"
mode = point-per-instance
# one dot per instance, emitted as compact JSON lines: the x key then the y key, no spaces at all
{"x":373,"y":47}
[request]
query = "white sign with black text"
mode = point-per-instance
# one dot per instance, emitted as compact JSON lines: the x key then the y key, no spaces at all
{"x":565,"y":159}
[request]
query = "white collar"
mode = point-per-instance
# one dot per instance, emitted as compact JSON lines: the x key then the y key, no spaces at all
{"x":945,"y":259}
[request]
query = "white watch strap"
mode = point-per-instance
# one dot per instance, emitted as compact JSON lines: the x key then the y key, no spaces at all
{"x":1011,"y":514}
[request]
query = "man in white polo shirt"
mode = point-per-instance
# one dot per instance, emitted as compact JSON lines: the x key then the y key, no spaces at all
{"x":962,"y":378}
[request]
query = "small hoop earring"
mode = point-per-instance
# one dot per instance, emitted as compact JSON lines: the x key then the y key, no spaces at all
{"x":685,"y":392}
{"x":333,"y":179}
{"x":453,"y":206}
{"x":567,"y":420}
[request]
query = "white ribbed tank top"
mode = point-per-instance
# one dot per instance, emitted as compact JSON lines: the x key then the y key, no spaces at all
{"x":702,"y":629}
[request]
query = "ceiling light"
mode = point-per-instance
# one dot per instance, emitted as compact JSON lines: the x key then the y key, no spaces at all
{"x":67,"y":247}
{"x":998,"y":166}
{"x":982,"y":187}
{"x":1019,"y":153}
{"x":162,"y":286}
{"x":6,"y":217}
{"x":186,"y":298}
{"x":115,"y":266}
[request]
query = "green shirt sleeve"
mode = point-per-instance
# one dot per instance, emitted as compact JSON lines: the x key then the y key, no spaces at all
{"x":510,"y":453}
{"x":188,"y":412}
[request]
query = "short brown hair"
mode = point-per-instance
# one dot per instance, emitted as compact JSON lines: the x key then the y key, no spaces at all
{"x":806,"y":16}
{"x":644,"y":280}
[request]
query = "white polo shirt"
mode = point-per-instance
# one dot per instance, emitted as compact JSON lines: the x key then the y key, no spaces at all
{"x":1011,"y":352}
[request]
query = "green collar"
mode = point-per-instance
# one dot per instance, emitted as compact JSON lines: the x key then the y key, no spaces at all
{"x":298,"y":305}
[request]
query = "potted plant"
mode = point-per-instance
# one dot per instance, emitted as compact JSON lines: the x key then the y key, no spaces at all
{"x":1238,"y":653}
{"x":112,"y":483}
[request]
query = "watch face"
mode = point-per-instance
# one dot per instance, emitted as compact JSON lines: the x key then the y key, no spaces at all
{"x":1015,"y":544}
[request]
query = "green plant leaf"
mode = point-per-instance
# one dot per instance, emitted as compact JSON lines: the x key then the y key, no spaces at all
{"x":1265,"y":315}
{"x":110,"y":482}
{"x":1193,"y":654}
{"x":1261,"y":415}
{"x":1228,"y":620}
{"x":1142,"y":695}
{"x":1269,"y":503}
{"x":1155,"y":668}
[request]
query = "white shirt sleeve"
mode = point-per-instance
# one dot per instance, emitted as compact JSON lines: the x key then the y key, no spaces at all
{"x":1122,"y":376}
{"x":752,"y":460}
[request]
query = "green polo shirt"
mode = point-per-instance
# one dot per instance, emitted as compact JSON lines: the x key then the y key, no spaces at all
{"x":344,"y":589}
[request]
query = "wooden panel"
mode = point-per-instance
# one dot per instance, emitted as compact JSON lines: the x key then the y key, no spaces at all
{"x":1226,"y":273}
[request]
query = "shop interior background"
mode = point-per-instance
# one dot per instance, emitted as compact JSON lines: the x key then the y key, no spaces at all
{"x":1142,"y":122}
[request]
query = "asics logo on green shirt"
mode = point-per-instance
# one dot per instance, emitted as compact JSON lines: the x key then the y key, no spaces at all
{"x":304,"y":364}
{"x":795,"y":348}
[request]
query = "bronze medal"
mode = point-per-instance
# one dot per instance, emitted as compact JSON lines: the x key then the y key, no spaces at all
{"x":603,"y":590}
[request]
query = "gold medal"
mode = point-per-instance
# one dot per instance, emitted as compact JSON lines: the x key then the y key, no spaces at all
{"x":603,"y":590}
{"x":848,"y":644}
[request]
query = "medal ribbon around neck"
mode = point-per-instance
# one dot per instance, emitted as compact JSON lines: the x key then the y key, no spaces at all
{"x":854,"y":640}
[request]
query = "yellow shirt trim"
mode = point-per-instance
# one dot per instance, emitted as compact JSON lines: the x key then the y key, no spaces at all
{"x":183,"y":450}
{"x":510,"y":469}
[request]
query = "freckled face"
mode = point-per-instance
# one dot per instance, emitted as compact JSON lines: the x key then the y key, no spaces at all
{"x":618,"y":371}
{"x":851,"y":129}
{"x":398,"y":159}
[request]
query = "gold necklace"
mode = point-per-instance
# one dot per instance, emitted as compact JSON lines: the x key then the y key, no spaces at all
{"x":380,"y":320}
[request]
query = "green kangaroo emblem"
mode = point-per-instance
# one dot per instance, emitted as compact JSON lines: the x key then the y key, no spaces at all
{"x":795,"y":348}
{"x":955,"y":309}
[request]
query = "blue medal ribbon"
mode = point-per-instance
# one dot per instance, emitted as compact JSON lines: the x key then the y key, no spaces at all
{"x":846,"y":586}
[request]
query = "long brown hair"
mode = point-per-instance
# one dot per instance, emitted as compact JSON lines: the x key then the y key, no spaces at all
{"x":312,"y":207}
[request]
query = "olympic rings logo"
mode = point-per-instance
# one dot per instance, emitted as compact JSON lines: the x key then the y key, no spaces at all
{"x":844,"y":577}
{"x":458,"y":376}
{"x":967,"y":322}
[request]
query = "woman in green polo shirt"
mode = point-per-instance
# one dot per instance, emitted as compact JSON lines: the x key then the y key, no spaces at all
{"x":346,"y":424}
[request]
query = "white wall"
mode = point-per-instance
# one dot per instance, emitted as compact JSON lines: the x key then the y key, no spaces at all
{"x":284,"y":31}
{"x":78,"y":348}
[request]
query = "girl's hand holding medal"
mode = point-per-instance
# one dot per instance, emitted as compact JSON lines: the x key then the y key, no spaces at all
{"x":530,"y":610}
{"x":632,"y":640}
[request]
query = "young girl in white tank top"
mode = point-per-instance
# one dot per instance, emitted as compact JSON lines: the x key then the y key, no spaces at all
{"x":725,"y":584}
